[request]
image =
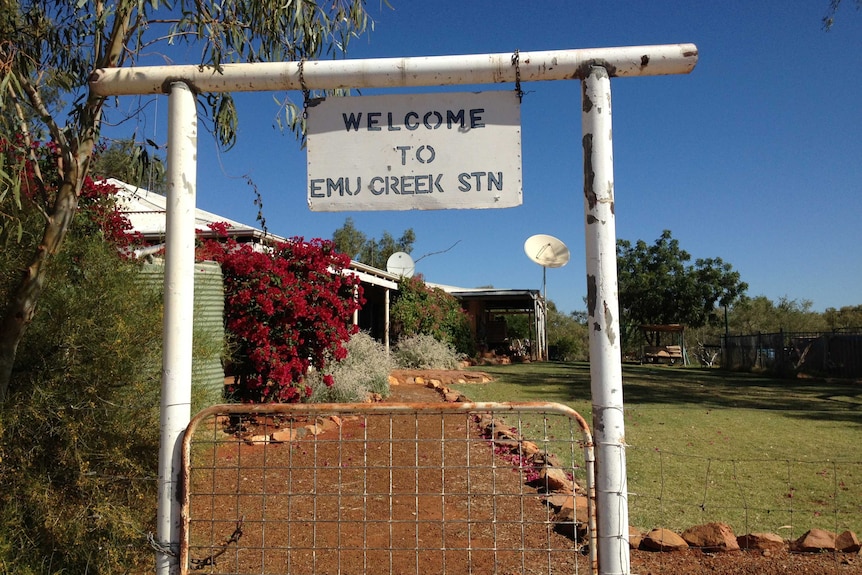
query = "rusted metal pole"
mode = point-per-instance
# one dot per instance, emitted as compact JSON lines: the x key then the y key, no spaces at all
{"x":603,"y":316}
{"x":179,"y":318}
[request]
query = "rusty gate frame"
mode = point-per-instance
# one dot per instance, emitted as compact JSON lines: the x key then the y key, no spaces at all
{"x":315,"y":410}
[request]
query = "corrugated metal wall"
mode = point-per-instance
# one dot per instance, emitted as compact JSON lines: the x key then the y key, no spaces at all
{"x":834,"y":354}
{"x":208,"y":344}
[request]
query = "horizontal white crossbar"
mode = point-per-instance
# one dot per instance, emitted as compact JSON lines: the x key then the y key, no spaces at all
{"x":657,"y":60}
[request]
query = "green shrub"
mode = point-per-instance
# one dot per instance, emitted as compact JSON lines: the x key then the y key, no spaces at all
{"x":425,"y":352}
{"x":79,"y":432}
{"x":364,"y":371}
{"x":568,"y":336}
{"x":419,"y":309}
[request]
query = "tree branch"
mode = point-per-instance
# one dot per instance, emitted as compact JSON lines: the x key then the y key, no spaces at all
{"x":440,"y":252}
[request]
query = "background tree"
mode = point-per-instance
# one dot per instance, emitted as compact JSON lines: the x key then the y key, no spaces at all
{"x":371,"y":251}
{"x":762,"y":315}
{"x":658,"y":285}
{"x":49,"y":51}
{"x":568,"y":337}
{"x":846,"y":317}
{"x":349,"y":240}
{"x":131,"y":163}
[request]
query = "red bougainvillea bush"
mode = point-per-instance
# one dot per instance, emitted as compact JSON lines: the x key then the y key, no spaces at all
{"x":287,"y":308}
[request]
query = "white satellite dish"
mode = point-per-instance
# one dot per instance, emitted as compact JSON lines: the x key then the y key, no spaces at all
{"x":547,"y":251}
{"x":401,"y":264}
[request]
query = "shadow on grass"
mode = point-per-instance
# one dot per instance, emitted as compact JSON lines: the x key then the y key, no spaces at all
{"x":652,"y":385}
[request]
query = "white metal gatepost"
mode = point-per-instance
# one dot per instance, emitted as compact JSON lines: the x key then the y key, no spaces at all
{"x":594,"y":67}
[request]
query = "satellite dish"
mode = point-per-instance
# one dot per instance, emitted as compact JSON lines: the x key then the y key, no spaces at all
{"x":547,"y":251}
{"x":401,"y":264}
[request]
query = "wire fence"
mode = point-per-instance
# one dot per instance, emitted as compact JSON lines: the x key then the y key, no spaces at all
{"x":782,"y":496}
{"x":393,"y":488}
{"x":388,"y":488}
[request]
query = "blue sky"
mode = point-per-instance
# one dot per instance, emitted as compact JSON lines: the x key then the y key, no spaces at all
{"x":754,"y":157}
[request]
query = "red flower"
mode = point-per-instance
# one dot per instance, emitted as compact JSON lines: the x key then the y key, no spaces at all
{"x":285,"y":309}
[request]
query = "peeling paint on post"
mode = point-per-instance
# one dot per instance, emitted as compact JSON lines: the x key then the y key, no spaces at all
{"x":589,"y":173}
{"x":591,"y":295}
{"x":603,"y":309}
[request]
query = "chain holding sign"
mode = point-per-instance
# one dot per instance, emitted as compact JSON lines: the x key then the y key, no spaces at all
{"x":415,"y":152}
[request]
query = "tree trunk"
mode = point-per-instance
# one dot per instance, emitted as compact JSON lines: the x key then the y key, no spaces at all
{"x":74,"y":165}
{"x":22,"y":303}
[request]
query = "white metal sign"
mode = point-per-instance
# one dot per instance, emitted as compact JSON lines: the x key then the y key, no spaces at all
{"x":415,"y":152}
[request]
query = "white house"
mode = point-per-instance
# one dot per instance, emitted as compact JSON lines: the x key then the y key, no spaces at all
{"x":147,"y":211}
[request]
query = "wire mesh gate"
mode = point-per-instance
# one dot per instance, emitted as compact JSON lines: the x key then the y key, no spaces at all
{"x":462,"y":488}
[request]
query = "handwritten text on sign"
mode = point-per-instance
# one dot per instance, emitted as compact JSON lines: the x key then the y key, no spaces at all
{"x":415,"y":152}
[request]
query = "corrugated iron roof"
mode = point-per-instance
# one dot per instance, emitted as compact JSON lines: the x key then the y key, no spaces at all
{"x":146,"y":211}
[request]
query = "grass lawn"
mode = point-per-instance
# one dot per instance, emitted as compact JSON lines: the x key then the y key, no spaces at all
{"x":758,"y":453}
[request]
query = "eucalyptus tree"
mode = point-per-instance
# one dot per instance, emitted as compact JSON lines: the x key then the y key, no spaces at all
{"x":133,"y":163}
{"x":829,"y":18}
{"x":372,"y":251}
{"x":51,"y":47}
{"x":659,"y":285}
{"x":762,"y":315}
{"x":846,"y":317}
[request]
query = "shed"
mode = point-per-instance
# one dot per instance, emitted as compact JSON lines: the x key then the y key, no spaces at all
{"x":487,"y":309}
